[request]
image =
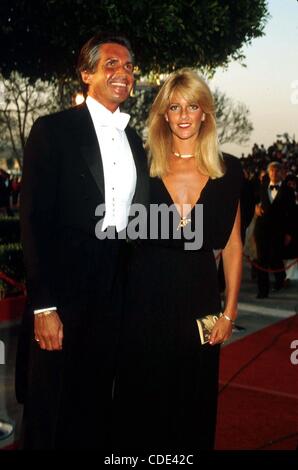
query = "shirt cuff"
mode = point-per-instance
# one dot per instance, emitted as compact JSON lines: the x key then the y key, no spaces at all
{"x":41,"y":310}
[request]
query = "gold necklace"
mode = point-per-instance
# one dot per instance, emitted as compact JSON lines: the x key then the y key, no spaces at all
{"x":183,"y":155}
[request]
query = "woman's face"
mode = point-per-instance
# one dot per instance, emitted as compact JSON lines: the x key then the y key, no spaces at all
{"x":183,"y":117}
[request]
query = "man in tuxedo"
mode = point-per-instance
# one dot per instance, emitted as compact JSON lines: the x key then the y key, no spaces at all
{"x":275,"y":215}
{"x":74,"y":161}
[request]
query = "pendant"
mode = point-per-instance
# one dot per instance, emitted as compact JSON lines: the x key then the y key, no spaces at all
{"x":183,"y":222}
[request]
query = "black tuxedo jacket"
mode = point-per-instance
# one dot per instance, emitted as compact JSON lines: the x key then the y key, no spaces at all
{"x":63,"y":183}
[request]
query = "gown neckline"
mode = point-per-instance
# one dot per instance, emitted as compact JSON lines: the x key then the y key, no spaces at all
{"x":176,"y":204}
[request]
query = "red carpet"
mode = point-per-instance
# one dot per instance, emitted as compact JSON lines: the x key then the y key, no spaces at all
{"x":258,"y":409}
{"x":12,"y":308}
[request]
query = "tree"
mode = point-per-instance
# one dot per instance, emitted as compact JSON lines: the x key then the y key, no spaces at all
{"x":138,"y":106}
{"x":40,"y":39}
{"x":21,"y":103}
{"x":233,"y":123}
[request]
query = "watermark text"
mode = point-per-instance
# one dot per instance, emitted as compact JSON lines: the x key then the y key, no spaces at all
{"x":294,"y":355}
{"x":159,"y":222}
{"x":2,"y":352}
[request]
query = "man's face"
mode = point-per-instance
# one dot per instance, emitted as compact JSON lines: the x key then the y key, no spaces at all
{"x":113,"y":79}
{"x":275,"y":174}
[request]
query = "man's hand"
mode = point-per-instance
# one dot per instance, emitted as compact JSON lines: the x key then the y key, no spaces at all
{"x":48,"y":330}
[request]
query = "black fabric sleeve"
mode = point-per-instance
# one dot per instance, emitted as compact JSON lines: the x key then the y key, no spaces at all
{"x":37,"y":214}
{"x":227,"y":197}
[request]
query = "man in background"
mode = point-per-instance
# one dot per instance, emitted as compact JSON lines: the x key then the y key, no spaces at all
{"x":273,"y":228}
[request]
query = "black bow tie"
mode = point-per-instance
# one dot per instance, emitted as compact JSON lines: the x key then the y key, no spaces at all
{"x":274,"y":186}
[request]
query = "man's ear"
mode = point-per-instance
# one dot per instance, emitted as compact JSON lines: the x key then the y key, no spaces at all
{"x":86,"y":77}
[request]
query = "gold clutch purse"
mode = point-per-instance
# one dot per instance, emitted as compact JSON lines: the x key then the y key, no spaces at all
{"x":205,"y":326}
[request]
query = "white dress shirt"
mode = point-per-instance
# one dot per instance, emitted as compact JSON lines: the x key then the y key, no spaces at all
{"x":118,"y":164}
{"x":273,"y":192}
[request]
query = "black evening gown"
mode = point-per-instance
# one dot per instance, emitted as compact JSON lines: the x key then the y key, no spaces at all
{"x":167,"y":384}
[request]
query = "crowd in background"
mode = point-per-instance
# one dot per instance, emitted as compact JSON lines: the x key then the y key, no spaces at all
{"x":256,"y":163}
{"x":9,"y":193}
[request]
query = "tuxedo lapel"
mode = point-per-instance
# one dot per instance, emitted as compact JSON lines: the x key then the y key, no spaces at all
{"x":265,"y":197}
{"x":141,"y":192}
{"x":89,"y":147}
{"x":92,"y":156}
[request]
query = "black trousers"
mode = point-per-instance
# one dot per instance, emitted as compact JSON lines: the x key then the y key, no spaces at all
{"x":269,"y":252}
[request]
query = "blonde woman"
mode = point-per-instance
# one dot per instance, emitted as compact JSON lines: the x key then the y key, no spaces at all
{"x":167,"y":382}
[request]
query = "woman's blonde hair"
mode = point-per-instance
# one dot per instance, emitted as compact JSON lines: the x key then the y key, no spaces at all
{"x":194,"y":89}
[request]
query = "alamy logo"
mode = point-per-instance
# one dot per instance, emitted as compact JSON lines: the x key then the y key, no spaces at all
{"x":294,"y":355}
{"x":2,"y":352}
{"x":165,"y":223}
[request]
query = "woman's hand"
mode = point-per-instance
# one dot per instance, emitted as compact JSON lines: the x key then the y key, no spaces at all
{"x":221,"y":331}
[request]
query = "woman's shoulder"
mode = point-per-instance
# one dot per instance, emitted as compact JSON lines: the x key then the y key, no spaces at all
{"x":232,"y":164}
{"x":233,"y":171}
{"x":231,"y":181}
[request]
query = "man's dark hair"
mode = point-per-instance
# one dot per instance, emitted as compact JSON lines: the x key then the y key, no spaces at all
{"x":90,"y":53}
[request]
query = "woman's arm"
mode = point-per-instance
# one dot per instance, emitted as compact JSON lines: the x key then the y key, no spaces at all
{"x":232,"y":263}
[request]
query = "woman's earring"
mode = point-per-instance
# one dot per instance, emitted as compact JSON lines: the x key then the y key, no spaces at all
{"x":203,"y":117}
